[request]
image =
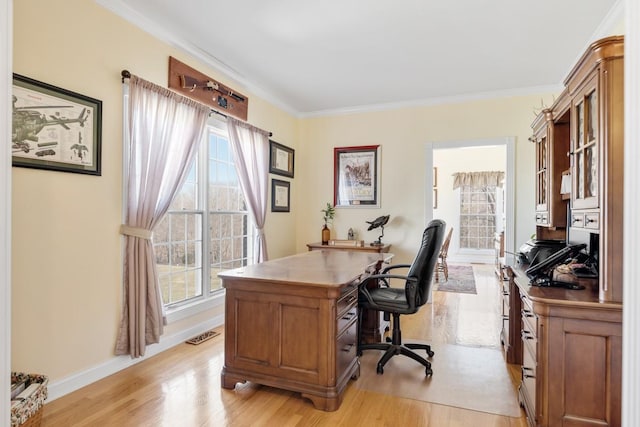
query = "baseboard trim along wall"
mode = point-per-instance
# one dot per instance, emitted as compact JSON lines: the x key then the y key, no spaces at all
{"x":75,"y":382}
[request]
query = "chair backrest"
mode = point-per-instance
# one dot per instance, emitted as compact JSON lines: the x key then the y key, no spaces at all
{"x":445,"y":245}
{"x":424,"y":263}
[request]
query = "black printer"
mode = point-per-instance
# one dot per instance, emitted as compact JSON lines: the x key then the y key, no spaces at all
{"x":536,"y":250}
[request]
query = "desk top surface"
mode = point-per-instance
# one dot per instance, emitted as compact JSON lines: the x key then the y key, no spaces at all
{"x":366,"y":247}
{"x":318,"y":268}
{"x":559,"y":296}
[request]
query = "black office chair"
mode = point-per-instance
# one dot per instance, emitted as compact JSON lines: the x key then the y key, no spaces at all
{"x":407,"y":300}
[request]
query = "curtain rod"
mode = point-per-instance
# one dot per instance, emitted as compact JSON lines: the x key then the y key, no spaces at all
{"x":127,"y":75}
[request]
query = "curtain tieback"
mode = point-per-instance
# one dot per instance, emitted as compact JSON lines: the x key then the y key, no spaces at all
{"x":142,"y":233}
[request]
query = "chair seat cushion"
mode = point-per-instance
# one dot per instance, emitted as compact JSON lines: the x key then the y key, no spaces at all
{"x":387,"y":299}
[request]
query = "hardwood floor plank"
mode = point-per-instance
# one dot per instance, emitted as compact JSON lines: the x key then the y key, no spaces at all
{"x":181,"y":386}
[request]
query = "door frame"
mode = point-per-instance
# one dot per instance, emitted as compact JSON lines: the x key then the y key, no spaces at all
{"x":510,"y":143}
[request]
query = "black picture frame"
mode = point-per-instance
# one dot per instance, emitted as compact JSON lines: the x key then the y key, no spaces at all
{"x":281,"y":159}
{"x":280,"y":196}
{"x":356,"y":176}
{"x":54,"y":128}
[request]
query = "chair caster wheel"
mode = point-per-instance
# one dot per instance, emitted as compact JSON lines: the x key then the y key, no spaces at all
{"x":430,"y":353}
{"x":380,"y":370}
{"x":387,"y":339}
{"x":428,"y":372}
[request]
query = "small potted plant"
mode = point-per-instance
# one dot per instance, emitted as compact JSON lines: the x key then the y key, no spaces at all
{"x":328,"y":214}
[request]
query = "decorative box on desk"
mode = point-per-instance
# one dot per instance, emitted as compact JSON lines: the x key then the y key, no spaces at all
{"x":31,"y":392}
{"x":349,"y":245}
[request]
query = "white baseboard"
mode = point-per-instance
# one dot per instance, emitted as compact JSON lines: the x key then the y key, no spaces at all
{"x":76,"y":381}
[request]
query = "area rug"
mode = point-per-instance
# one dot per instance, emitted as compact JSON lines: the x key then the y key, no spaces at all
{"x":460,"y":280}
{"x":474,"y":378}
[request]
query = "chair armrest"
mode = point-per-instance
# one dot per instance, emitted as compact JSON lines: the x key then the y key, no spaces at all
{"x":385,"y":276}
{"x":391,"y":267}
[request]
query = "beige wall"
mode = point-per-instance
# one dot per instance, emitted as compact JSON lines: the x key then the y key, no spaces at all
{"x":66,"y":250}
{"x":403,"y":134}
{"x":66,"y":254}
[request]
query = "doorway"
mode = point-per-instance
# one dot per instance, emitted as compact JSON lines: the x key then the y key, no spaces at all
{"x":439,"y":187}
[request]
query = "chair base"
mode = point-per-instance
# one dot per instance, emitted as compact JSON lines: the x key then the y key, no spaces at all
{"x":402,"y":349}
{"x":395,"y":347}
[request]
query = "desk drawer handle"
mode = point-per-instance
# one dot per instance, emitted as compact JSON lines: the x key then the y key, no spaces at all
{"x":527,"y":313}
{"x":525,"y":374}
{"x":347,"y":348}
{"x":505,"y":317}
{"x":352,"y":298}
{"x":348,"y":316}
{"x":526,"y":335}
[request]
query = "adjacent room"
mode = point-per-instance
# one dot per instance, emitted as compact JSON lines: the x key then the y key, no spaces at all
{"x":340,"y":214}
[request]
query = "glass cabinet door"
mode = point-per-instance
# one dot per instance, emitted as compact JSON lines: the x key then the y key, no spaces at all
{"x":585,"y":149}
{"x":541,"y":172}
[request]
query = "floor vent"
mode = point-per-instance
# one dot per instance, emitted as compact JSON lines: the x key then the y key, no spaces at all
{"x":199,"y":339}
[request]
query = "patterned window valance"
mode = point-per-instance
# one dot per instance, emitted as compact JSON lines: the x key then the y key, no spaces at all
{"x":478,"y":179}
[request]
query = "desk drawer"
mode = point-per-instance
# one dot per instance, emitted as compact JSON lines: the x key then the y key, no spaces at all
{"x":542,"y":218}
{"x":347,"y":300}
{"x":346,"y":348}
{"x":528,"y":384}
{"x":347,"y":317}
{"x":592,"y":220}
{"x":529,"y":339}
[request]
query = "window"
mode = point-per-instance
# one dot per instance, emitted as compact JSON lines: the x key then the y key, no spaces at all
{"x":207,"y":227}
{"x":477,"y":217}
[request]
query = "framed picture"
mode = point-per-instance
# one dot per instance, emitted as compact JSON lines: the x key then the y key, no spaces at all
{"x":435,"y":198}
{"x":356,"y":176}
{"x":281,"y":159}
{"x":280,"y":195}
{"x":435,"y":176}
{"x":55,"y":128}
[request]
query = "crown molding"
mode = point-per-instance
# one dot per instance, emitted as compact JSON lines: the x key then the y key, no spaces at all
{"x":431,"y":102}
{"x":123,"y":10}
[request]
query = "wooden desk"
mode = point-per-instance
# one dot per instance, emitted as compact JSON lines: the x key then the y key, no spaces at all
{"x":291,"y":323}
{"x":365,"y":248}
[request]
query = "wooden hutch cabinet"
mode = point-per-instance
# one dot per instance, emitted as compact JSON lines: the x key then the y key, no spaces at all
{"x":552,"y":148}
{"x":569,"y":342}
{"x":570,"y":347}
{"x":596,"y":88}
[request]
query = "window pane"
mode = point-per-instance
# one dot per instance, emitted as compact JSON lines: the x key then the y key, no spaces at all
{"x":188,"y":244}
{"x":477,"y":217}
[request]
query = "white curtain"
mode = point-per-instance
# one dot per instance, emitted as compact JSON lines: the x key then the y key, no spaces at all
{"x":163,"y":130}
{"x":478,"y":179}
{"x":250,"y":147}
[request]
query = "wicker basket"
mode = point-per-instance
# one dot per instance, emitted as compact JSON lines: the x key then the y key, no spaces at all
{"x":22,"y":411}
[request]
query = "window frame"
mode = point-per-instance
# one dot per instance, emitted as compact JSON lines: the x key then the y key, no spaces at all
{"x":490,"y":248}
{"x":208,"y":298}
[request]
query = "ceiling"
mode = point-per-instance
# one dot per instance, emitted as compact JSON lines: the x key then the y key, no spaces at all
{"x":352,"y":55}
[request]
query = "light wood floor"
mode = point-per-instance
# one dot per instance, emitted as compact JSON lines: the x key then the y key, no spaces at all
{"x":181,"y":387}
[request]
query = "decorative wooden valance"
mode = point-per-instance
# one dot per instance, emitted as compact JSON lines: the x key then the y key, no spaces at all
{"x":195,"y":85}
